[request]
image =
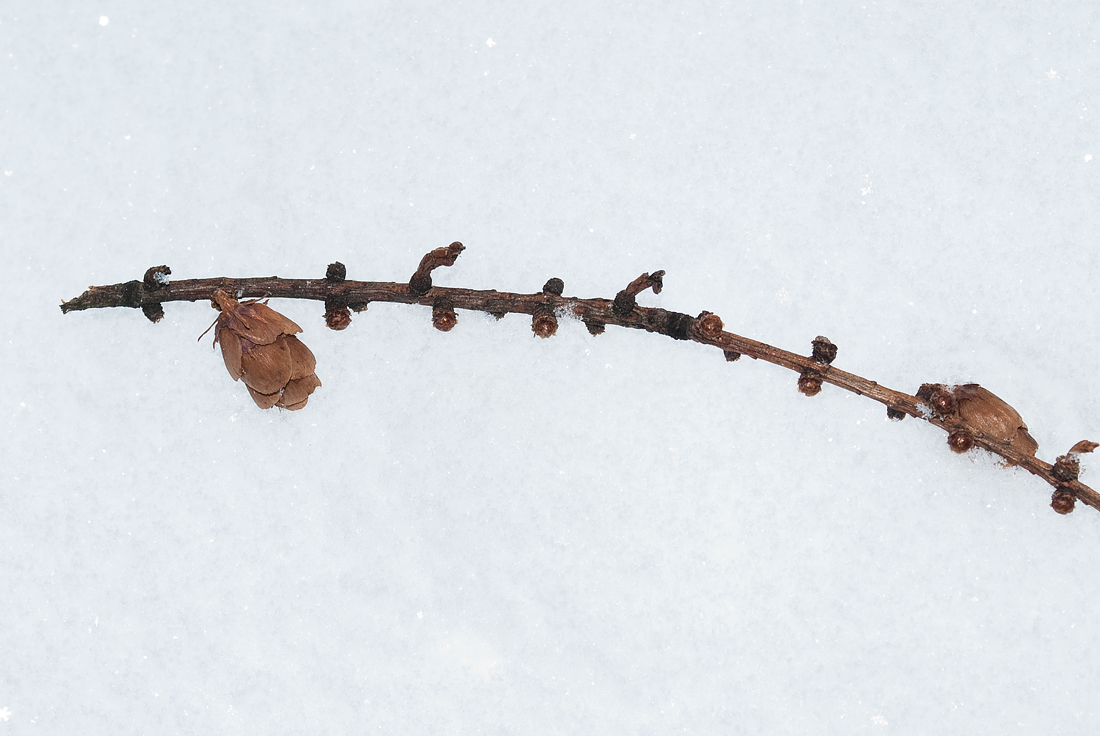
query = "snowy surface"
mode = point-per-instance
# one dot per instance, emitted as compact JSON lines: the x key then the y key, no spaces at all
{"x":481,"y":531}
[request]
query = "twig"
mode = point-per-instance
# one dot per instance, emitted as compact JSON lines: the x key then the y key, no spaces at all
{"x":341,"y":296}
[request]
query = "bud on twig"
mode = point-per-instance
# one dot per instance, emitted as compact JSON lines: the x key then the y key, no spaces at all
{"x":1063,"y":501}
{"x":824,"y":350}
{"x":336,"y":272}
{"x":153,"y":312}
{"x":544,"y":323}
{"x":944,"y":403}
{"x":1068,"y":467}
{"x":157,"y":277}
{"x":337,"y":314}
{"x":809,"y":382}
{"x":444,"y":317}
{"x":708,"y":325}
{"x":960,"y":440}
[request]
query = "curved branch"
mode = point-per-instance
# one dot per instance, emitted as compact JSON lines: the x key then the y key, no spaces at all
{"x":341,"y":295}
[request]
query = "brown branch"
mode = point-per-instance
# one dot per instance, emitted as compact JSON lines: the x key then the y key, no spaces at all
{"x":934,"y":403}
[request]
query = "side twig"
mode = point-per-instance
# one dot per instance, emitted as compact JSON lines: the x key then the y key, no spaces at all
{"x":971,"y":415}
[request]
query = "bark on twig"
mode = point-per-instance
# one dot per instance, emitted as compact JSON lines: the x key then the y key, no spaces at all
{"x":341,"y":295}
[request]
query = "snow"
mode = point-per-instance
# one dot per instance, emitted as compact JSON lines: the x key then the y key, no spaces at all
{"x":484,"y":531}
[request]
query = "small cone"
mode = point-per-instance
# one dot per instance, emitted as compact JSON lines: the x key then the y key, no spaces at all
{"x":259,"y":346}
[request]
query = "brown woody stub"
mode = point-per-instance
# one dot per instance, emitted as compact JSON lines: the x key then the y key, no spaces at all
{"x":544,"y":323}
{"x":421,"y":281}
{"x":625,"y":301}
{"x":337,"y":314}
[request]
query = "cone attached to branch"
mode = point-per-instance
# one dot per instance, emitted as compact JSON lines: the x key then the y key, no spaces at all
{"x":979,"y":409}
{"x":259,"y":347}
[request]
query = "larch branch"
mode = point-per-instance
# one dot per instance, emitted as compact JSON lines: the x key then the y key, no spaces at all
{"x":341,"y":295}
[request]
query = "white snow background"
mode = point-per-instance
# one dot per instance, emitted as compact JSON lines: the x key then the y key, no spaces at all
{"x":485,"y":532}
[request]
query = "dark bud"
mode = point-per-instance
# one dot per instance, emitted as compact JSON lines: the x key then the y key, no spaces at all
{"x":1067,"y":467}
{"x":731,"y":355}
{"x":595,"y":328}
{"x":895,"y":414}
{"x":154,"y":312}
{"x":709,"y":325}
{"x":1063,"y":500}
{"x":544,"y":323}
{"x":336,"y":272}
{"x":623,"y":304}
{"x":809,"y":383}
{"x":554,"y":286}
{"x":155,"y":278}
{"x":420,"y":284}
{"x":444,"y":317}
{"x":960,"y":440}
{"x":943,"y":402}
{"x":824,"y":350}
{"x":926,"y":389}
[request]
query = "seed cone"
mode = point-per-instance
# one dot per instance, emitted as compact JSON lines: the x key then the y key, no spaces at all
{"x":259,"y":347}
{"x":990,"y":414}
